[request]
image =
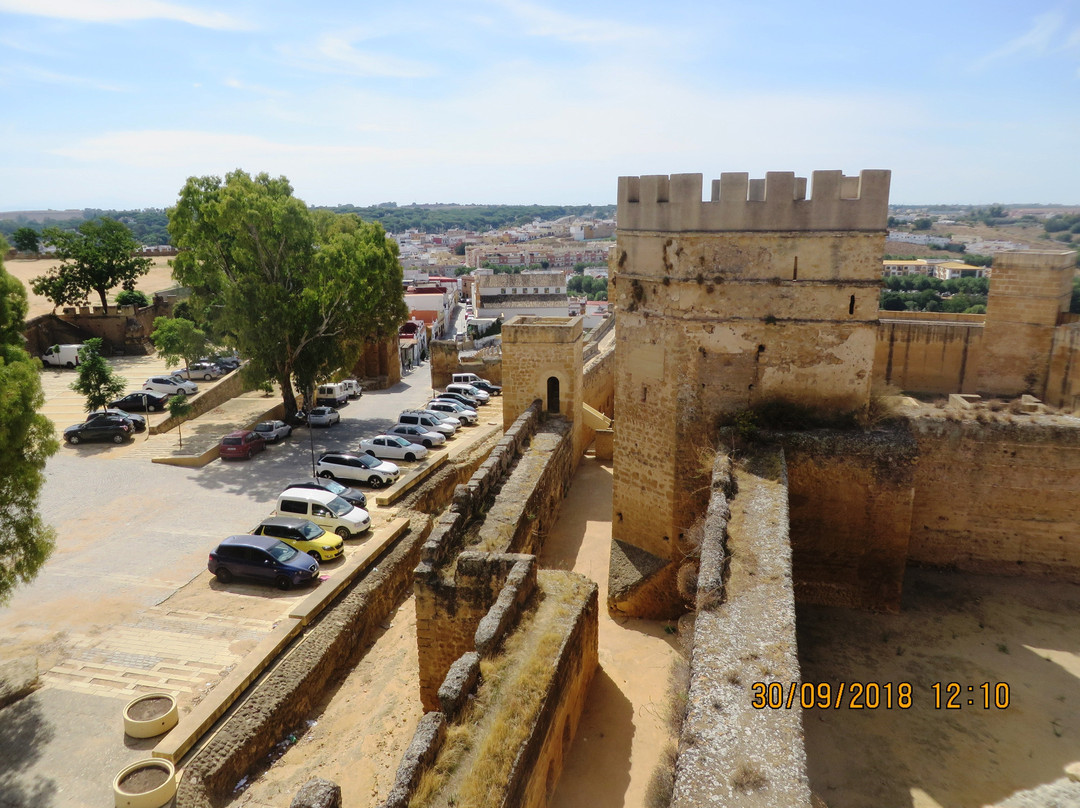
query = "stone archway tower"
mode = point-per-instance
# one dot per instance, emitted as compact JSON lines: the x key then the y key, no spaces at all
{"x":541,"y":359}
{"x":760,"y":293}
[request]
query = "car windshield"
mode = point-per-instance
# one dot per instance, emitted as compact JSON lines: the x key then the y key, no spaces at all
{"x":400,"y":441}
{"x":367,"y":461}
{"x":283,"y":552}
{"x":334,"y":487}
{"x":311,"y":531}
{"x":338,"y":506}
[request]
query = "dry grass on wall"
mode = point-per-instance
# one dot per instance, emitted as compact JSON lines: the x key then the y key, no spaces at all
{"x":658,"y":793}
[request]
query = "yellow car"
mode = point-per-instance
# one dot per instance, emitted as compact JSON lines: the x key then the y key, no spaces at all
{"x":304,"y":535}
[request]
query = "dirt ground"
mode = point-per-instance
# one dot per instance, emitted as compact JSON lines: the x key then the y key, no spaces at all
{"x":159,"y":277}
{"x":367,"y":721}
{"x":958,"y":628}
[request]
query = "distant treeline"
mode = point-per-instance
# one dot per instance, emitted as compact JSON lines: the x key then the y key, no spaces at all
{"x":440,"y":218}
{"x":150,"y":226}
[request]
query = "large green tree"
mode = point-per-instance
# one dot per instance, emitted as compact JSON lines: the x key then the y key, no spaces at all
{"x":178,"y":340}
{"x":97,"y":380}
{"x":97,"y":257}
{"x":26,"y":239}
{"x":26,"y":442}
{"x":299,"y":292}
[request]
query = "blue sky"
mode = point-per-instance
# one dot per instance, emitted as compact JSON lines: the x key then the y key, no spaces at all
{"x":114,"y":103}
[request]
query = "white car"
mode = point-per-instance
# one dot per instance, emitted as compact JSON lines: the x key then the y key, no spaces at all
{"x":454,"y":408}
{"x":392,"y":446}
{"x":273,"y":431}
{"x":418,"y":434}
{"x":474,"y":393}
{"x":199,"y":370}
{"x":323,"y":416}
{"x":361,"y":468}
{"x":170,"y":385}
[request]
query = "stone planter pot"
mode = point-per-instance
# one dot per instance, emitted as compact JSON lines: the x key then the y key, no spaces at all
{"x":147,"y":784}
{"x":150,"y":715}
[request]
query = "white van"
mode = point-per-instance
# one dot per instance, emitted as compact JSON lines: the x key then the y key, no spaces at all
{"x":61,"y":356}
{"x":352,"y":388}
{"x":328,"y":511}
{"x":474,"y":393}
{"x":331,"y":395}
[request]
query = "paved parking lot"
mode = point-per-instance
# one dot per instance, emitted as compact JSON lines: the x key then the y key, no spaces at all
{"x":125,"y":604}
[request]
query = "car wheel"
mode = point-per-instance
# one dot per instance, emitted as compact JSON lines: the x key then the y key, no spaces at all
{"x":410,"y":457}
{"x":250,"y":452}
{"x":326,"y":474}
{"x":181,"y":392}
{"x":283,"y":583}
{"x":207,"y":377}
{"x":73,"y":439}
{"x":370,"y":452}
{"x":224,"y":575}
{"x":315,"y":554}
{"x":374,"y":481}
{"x":117,"y":438}
{"x":427,"y":444}
{"x":289,"y":432}
{"x":151,"y":408}
{"x":70,"y":365}
{"x":343,"y":532}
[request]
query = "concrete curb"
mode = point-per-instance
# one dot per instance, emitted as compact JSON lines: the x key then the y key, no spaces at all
{"x":198,"y":461}
{"x":395,"y":492}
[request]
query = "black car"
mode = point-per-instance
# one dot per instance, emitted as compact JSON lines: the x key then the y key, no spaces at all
{"x":487,"y":387}
{"x":108,"y":427}
{"x":223,"y":361}
{"x":468,"y":401}
{"x":138,"y":422}
{"x":142,"y":401}
{"x":263,"y":558}
{"x":353,"y":497}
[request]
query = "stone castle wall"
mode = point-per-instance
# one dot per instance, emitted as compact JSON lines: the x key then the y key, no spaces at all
{"x":929,"y":352}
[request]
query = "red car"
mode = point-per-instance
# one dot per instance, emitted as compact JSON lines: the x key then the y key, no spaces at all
{"x":242,"y":443}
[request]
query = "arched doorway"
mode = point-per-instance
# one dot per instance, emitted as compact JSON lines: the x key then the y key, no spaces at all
{"x":552,"y":394}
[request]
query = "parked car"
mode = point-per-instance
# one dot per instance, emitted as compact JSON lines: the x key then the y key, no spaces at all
{"x":199,"y":370}
{"x":362,"y":468}
{"x":304,"y":535}
{"x":227,"y":362}
{"x":143,"y":401}
{"x":138,"y":423}
{"x":328,"y":511}
{"x":352,"y":387}
{"x":109,"y":427}
{"x":62,"y":355}
{"x":333,"y":395}
{"x":481,"y":384}
{"x":393,"y":446}
{"x":455,"y":408}
{"x":465,"y":401}
{"x":427,"y":422}
{"x":170,"y":385}
{"x":263,"y":558}
{"x":418,"y":434}
{"x":472,"y":392}
{"x":450,"y":419}
{"x":241,"y":443}
{"x":273,"y":431}
{"x":323,"y":416}
{"x":350,"y":495}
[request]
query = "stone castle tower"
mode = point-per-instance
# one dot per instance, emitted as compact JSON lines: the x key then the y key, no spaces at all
{"x":759,"y":293}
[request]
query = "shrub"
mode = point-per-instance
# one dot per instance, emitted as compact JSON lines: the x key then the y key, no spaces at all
{"x":132,"y":297}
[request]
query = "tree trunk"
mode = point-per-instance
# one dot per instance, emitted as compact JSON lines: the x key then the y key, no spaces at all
{"x":288,"y":398}
{"x":104,"y":300}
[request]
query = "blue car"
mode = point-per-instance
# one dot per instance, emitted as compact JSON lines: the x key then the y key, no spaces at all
{"x":262,"y":558}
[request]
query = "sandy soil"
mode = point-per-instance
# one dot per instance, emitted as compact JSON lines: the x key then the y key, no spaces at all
{"x":953,"y":628}
{"x":159,"y":277}
{"x":367,"y":721}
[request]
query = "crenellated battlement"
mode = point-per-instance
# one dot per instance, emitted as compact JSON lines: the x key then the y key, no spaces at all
{"x":778,"y":202}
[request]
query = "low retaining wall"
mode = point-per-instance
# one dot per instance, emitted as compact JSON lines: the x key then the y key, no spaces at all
{"x":229,"y":387}
{"x":731,"y":753}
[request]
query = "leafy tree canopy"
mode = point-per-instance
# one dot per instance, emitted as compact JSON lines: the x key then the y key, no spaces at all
{"x":178,"y":340}
{"x":97,"y":380}
{"x":26,"y":239}
{"x":98,"y":257}
{"x":26,"y":442}
{"x":299,"y":292}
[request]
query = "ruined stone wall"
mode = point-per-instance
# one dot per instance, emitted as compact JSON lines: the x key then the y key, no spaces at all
{"x":1029,"y":293}
{"x":380,"y":364}
{"x":731,"y":753}
{"x":997,"y":498}
{"x":598,"y":388}
{"x":760,"y":293}
{"x":851,"y":500}
{"x":929,"y":352}
{"x":446,"y":361}
{"x":1063,"y":382}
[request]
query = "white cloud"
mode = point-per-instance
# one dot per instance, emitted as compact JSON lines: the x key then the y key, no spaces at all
{"x":36,"y":74}
{"x":122,"y":11}
{"x":546,"y":22}
{"x":1037,"y":40}
{"x":337,"y":53}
